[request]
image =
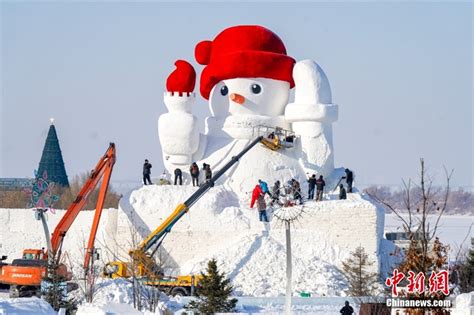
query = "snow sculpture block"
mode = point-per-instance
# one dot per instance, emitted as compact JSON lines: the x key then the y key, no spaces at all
{"x":222,"y":226}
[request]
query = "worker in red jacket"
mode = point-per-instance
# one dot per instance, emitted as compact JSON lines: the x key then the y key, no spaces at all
{"x":255,"y":194}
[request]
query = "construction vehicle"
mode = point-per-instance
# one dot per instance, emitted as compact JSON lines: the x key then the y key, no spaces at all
{"x":143,"y":265}
{"x":25,"y":275}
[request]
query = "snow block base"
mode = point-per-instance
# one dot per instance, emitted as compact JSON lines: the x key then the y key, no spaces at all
{"x":223,"y":227}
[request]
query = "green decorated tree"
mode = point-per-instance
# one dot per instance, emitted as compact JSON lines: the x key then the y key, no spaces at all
{"x":52,"y":160}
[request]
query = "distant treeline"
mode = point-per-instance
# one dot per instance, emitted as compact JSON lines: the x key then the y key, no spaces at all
{"x":19,"y":199}
{"x":459,"y":200}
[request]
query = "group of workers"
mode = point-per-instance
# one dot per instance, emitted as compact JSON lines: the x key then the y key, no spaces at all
{"x":292,"y":189}
{"x":178,"y":174}
{"x":195,"y":172}
{"x":319,"y":184}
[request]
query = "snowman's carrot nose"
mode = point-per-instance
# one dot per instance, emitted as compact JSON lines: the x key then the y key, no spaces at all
{"x":239,"y":99}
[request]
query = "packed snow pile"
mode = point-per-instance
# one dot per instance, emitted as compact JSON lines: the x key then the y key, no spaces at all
{"x":221,"y":225}
{"x":25,"y":306}
{"x":116,"y":297}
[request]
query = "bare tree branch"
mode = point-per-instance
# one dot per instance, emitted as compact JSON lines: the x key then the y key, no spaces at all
{"x":407,"y":201}
{"x":406,"y":225}
{"x":445,"y":200}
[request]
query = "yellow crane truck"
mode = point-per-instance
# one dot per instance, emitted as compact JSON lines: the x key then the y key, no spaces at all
{"x":143,"y":265}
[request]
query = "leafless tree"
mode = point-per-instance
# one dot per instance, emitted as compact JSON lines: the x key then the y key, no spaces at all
{"x":425,"y":253}
{"x":421,"y":203}
{"x":87,"y":278}
{"x":144,"y":294}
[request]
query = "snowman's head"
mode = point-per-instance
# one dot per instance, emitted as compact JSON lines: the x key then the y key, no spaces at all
{"x":247,"y":71}
{"x":249,"y":96}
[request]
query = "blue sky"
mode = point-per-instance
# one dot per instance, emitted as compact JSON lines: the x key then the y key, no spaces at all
{"x":401,"y":73}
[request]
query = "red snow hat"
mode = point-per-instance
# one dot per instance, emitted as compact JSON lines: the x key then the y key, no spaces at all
{"x":244,"y":51}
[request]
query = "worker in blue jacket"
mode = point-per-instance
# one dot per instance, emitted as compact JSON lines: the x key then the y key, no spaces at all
{"x":264,"y":187}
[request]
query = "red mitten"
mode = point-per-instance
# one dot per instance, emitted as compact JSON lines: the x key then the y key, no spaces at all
{"x":182,"y":79}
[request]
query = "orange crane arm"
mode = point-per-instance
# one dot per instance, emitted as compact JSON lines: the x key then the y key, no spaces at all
{"x":103,"y":168}
{"x":98,"y":212}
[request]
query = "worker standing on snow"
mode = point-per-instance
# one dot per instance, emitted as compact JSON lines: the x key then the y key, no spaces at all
{"x":349,"y":179}
{"x":296,"y":187}
{"x":147,"y":173}
{"x":320,"y":183}
{"x":207,"y":172}
{"x":276,"y":189}
{"x":342,"y":192}
{"x":276,"y":193}
{"x":311,"y":186}
{"x":194,"y":170}
{"x":262,"y":208}
{"x":178,"y":175}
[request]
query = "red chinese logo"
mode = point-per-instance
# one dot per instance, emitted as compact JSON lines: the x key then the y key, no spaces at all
{"x":393,"y":281}
{"x":416,"y":282}
{"x":438,"y":282}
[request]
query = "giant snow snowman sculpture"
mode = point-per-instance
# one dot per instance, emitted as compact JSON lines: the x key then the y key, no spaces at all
{"x":247,"y":79}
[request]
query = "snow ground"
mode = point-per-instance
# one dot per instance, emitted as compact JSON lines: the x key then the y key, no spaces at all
{"x":115,"y":297}
{"x":25,"y":306}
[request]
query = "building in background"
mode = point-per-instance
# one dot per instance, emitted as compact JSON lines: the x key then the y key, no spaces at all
{"x":12,"y":184}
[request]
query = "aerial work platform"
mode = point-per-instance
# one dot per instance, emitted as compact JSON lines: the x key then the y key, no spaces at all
{"x":275,"y":138}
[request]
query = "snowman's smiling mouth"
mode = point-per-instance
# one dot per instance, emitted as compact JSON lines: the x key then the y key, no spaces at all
{"x":237,"y":98}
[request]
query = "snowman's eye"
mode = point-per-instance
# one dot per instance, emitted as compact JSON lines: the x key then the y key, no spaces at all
{"x":256,"y":89}
{"x":224,"y":90}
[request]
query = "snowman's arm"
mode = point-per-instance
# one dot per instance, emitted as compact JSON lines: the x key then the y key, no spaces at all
{"x":313,"y":101}
{"x":178,"y":129}
{"x":312,"y":114}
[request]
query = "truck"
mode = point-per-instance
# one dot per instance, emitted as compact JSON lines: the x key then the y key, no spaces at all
{"x":24,"y":275}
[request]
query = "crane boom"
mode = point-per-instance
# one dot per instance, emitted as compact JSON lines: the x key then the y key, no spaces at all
{"x":181,"y":209}
{"x":98,"y":208}
{"x":103,"y":169}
